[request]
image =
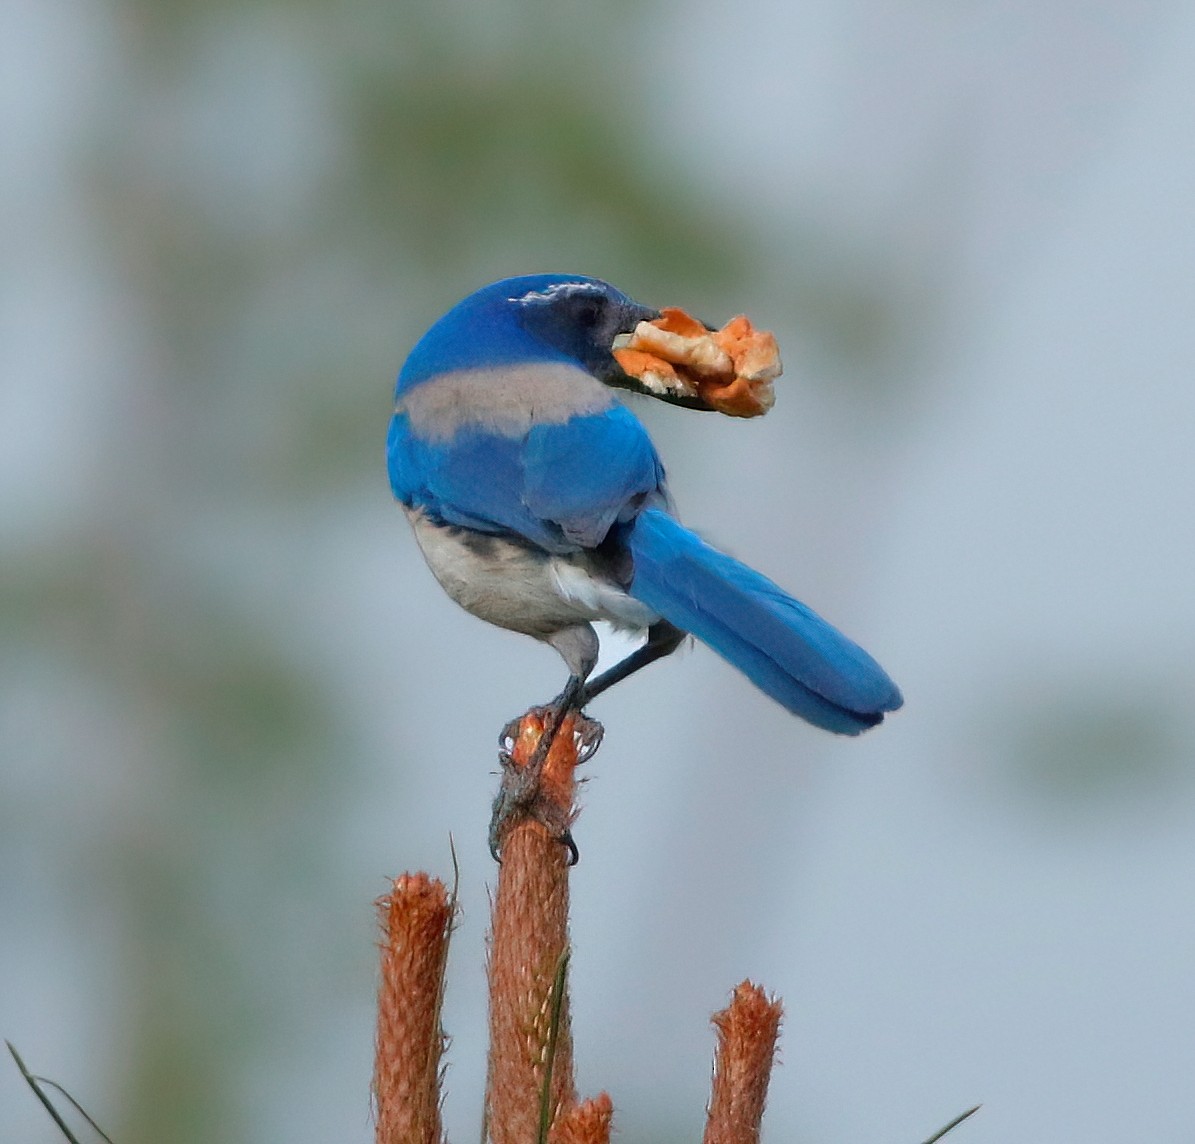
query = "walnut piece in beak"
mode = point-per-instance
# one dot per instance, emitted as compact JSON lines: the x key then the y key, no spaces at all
{"x":730,"y":370}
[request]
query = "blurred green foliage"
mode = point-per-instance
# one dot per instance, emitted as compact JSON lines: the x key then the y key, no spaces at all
{"x":1076,"y":753}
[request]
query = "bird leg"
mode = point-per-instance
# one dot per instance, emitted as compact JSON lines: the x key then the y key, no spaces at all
{"x":663,"y":639}
{"x":520,"y":792}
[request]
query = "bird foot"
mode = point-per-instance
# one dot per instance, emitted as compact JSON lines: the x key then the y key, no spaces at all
{"x":538,"y":752}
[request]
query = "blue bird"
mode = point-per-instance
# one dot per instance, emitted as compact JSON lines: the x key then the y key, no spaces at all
{"x":540,"y":505}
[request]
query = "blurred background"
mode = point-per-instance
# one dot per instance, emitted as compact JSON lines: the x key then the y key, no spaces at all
{"x":232,"y":699}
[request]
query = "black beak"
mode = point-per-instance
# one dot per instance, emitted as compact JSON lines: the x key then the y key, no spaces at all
{"x":635,"y":313}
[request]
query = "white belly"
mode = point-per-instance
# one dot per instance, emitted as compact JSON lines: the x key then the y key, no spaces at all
{"x":519,"y":587}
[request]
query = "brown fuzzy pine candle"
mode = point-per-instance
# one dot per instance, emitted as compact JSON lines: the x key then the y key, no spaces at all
{"x":530,"y":1035}
{"x":747,"y":1032}
{"x":416,"y":919}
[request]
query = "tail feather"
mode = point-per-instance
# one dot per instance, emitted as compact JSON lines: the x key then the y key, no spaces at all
{"x":782,"y":646}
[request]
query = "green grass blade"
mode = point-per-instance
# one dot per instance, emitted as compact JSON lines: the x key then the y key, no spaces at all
{"x":47,"y":1103}
{"x":953,"y":1124}
{"x":545,"y":1099}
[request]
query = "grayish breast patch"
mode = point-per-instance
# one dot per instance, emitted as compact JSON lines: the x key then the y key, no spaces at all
{"x":508,"y":400}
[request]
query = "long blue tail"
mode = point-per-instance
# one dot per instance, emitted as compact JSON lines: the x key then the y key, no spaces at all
{"x":782,"y":646}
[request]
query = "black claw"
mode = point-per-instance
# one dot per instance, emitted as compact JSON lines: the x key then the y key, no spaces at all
{"x":589,"y":738}
{"x":508,"y":734}
{"x":566,"y":839}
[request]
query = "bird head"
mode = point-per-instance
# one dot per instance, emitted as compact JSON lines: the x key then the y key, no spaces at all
{"x":533,"y":318}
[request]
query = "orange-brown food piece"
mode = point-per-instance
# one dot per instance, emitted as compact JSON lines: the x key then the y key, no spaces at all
{"x":640,"y":362}
{"x":676,"y":321}
{"x":730,"y":370}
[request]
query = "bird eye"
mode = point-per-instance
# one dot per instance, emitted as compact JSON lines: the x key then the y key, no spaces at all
{"x":589,"y":312}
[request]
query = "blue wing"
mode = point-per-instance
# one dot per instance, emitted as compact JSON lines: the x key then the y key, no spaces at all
{"x":560,"y":486}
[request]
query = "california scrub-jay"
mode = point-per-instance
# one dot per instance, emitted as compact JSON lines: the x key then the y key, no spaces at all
{"x":540,"y":505}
